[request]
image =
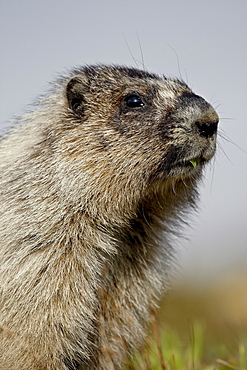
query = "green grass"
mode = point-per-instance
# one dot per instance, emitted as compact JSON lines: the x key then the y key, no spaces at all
{"x":170,"y":350}
{"x":202,"y":329}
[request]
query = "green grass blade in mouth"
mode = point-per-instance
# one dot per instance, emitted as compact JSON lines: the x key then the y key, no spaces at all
{"x":195,"y":161}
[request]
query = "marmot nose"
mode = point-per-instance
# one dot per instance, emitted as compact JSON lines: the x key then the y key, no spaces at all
{"x":200,"y":113}
{"x":207,"y":128}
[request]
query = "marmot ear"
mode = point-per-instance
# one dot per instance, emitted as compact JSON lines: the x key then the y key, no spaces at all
{"x":76,"y":89}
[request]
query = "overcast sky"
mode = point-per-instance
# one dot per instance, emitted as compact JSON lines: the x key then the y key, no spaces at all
{"x":204,"y":42}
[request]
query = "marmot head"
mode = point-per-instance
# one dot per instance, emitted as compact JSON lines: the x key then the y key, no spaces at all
{"x":124,"y":130}
{"x":158,"y":122}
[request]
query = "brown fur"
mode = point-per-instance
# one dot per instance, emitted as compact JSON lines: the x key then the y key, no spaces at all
{"x":93,"y":183}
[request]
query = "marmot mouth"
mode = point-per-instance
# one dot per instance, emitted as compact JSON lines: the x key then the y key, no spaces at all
{"x":192,"y":163}
{"x":196,"y":161}
{"x":188,"y":165}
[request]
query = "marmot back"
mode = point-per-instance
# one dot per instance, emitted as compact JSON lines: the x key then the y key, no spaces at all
{"x":93,"y":182}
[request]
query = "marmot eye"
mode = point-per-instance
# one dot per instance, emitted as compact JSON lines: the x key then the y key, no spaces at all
{"x":134,"y":101}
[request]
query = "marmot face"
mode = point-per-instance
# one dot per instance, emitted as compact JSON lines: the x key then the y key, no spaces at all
{"x":159,"y":125}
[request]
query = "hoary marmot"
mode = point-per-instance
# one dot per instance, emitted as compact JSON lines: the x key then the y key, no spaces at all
{"x":94,"y":180}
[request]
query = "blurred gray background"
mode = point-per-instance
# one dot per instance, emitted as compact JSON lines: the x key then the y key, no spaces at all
{"x":204,"y":42}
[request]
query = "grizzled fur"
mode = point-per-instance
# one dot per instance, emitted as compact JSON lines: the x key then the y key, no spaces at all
{"x":93,"y":182}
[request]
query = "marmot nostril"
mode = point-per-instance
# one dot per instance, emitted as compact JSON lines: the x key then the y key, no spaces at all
{"x":207,"y":129}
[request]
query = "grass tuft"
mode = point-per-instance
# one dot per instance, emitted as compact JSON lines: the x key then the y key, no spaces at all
{"x":203,"y":330}
{"x":168,"y":350}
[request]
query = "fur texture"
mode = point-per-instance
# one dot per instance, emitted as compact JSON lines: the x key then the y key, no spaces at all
{"x":94,"y":180}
